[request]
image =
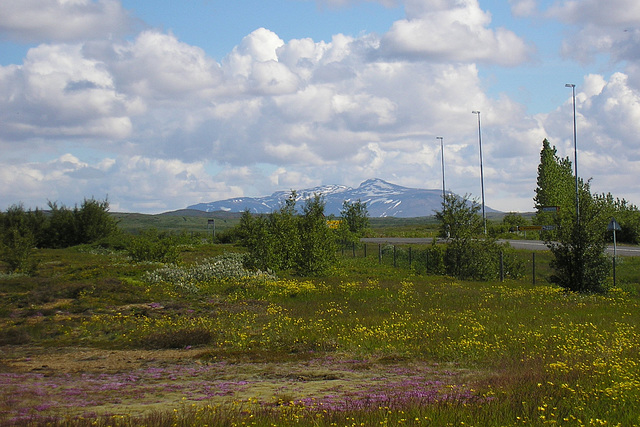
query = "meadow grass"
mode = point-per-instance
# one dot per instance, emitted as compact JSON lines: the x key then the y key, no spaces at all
{"x":388,"y":345}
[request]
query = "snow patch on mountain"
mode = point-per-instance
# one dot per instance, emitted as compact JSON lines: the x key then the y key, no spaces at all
{"x":383,"y":199}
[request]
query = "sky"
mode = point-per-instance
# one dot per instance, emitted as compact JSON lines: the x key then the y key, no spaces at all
{"x":156,"y":105}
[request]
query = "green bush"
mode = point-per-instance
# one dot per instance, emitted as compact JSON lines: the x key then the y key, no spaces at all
{"x":469,"y":254}
{"x":152,"y":246}
{"x":286,"y":241}
{"x":434,"y":258}
{"x":16,"y":249}
{"x":317,"y":244}
{"x":580,"y":263}
{"x":18,"y":230}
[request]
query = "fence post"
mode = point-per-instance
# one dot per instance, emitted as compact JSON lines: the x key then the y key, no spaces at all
{"x":409,"y":256}
{"x":501,"y":266}
{"x":534,"y":268}
{"x":426,"y":261}
{"x":365,"y":250}
{"x":354,"y":249}
{"x":379,"y":253}
{"x":394,"y":255}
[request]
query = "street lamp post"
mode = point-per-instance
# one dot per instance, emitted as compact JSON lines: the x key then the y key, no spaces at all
{"x":442,"y":151}
{"x":575,"y":150}
{"x":484,"y":217}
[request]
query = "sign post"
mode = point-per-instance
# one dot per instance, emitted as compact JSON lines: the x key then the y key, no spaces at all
{"x":212,"y":222}
{"x":613,"y":226}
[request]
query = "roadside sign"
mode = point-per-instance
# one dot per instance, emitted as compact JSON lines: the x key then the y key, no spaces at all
{"x":551,"y":209}
{"x":536,"y":227}
{"x":529,"y":227}
{"x":613,"y":225}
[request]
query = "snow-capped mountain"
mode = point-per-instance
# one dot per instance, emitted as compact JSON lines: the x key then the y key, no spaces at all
{"x":382,"y":198}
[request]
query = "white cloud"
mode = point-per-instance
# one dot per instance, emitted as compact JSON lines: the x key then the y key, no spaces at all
{"x":140,"y":184}
{"x":616,"y":13}
{"x":609,"y":27}
{"x":298,"y":113}
{"x":608,"y":121}
{"x":57,"y":92}
{"x":158,"y":67}
{"x":62,"y":20}
{"x":523,"y":8}
{"x":445,"y":31}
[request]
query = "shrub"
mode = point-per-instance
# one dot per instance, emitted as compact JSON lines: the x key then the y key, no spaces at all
{"x":580,"y":263}
{"x":93,"y":221}
{"x":190,"y":279}
{"x":284,"y":240}
{"x":16,"y":249}
{"x":154,"y":247}
{"x":317,"y":245}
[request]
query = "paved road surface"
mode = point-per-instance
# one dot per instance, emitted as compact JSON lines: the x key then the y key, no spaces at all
{"x":532,"y":245}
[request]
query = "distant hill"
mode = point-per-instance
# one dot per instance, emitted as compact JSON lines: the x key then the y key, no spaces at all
{"x":383,"y":199}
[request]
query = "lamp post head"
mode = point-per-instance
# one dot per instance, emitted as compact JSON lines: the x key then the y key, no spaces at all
{"x":439,"y":137}
{"x":569,"y":85}
{"x":475,"y":112}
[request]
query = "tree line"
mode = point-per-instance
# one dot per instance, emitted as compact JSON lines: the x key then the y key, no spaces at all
{"x":58,"y":227}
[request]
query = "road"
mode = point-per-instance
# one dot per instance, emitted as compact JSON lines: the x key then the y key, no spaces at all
{"x":531,"y":245}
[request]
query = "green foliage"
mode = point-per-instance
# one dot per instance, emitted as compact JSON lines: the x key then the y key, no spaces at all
{"x":459,"y":218}
{"x":626,"y":214}
{"x":508,"y":225}
{"x":152,"y":246}
{"x":578,"y":242}
{"x":93,"y":221}
{"x":284,"y":240}
{"x":317,"y":243}
{"x":61,"y":227}
{"x":513,"y":220}
{"x":580,"y":263}
{"x":16,"y":249}
{"x":556,"y":185}
{"x":434,"y":261}
{"x":467,"y":255}
{"x":355,"y":221}
{"x":17,"y":239}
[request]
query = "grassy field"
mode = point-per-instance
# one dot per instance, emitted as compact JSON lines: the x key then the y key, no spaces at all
{"x":182,"y":221}
{"x":96,"y":339}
